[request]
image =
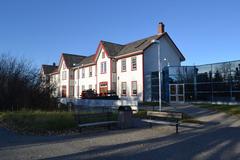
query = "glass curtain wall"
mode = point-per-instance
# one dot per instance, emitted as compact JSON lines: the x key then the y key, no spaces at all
{"x":213,"y":82}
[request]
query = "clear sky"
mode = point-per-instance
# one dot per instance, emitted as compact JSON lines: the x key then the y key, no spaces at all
{"x":40,"y":30}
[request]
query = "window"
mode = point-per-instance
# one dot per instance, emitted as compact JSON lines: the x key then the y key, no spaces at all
{"x":71,"y":91}
{"x":134,"y":63}
{"x":83,"y":72}
{"x":64,"y":75}
{"x":103,"y":55}
{"x":90,"y":71}
{"x":103,"y":67}
{"x":77,"y":91}
{"x":78,"y":73}
{"x":90,"y":86}
{"x":123,"y":65}
{"x":114,"y":67}
{"x":134,"y":88}
{"x":71,"y":75}
{"x":64,"y":91}
{"x":114,"y":86}
{"x":83,"y":87}
{"x":124,"y":88}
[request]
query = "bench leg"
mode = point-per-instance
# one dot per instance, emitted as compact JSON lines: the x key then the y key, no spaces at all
{"x":177,"y":127}
{"x":109,"y":126}
{"x":150,"y":125}
{"x":80,"y":129}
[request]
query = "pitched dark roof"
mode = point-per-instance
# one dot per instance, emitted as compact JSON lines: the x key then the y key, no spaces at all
{"x":137,"y":45}
{"x":72,"y":59}
{"x":112,"y":48}
{"x":87,"y":60}
{"x":47,"y":69}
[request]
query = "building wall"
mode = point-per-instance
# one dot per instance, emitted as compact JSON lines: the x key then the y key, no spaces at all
{"x":129,"y":76}
{"x":86,"y":81}
{"x":146,"y":64}
{"x":168,"y":52}
{"x":54,"y":81}
{"x":66,"y":81}
{"x":103,"y":77}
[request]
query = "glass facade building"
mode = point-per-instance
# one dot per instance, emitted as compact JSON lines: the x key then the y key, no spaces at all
{"x":219,"y":82}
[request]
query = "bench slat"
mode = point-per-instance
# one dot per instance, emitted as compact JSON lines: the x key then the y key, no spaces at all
{"x":175,"y":115}
{"x":97,"y":123}
{"x":159,"y":122}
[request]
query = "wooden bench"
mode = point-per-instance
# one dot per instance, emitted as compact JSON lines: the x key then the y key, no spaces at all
{"x":94,"y":119}
{"x":166,"y":118}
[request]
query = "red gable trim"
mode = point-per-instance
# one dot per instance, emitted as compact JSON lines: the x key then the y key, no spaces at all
{"x":60,"y":63}
{"x":98,"y":49}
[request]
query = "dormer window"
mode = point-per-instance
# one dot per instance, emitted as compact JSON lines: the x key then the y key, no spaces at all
{"x":64,"y":75}
{"x":103,"y":67}
{"x":103,"y":55}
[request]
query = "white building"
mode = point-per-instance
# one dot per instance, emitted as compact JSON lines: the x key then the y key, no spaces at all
{"x":123,"y":68}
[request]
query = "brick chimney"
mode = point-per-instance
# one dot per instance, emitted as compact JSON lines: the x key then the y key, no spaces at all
{"x":161,"y":28}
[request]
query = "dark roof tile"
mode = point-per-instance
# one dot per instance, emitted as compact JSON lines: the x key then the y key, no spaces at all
{"x":112,"y":48}
{"x":72,"y":59}
{"x":137,"y":45}
{"x":47,"y":69}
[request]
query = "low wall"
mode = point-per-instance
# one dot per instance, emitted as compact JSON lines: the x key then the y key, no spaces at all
{"x":101,"y":103}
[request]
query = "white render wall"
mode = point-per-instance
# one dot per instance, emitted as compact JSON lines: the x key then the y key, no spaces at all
{"x":64,"y":82}
{"x":86,"y":81}
{"x":130,"y":76}
{"x":106,"y":77}
{"x":151,"y":62}
{"x":55,"y":81}
{"x":150,"y":58}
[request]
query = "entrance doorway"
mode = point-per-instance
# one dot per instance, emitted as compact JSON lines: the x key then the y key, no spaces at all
{"x":103,"y":88}
{"x":64,"y":91}
{"x":176,"y":93}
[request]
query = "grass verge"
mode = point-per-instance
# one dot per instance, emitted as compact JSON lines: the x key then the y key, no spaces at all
{"x":189,"y":119}
{"x":46,"y":123}
{"x":229,"y":109}
{"x":38,"y":122}
{"x":153,"y":103}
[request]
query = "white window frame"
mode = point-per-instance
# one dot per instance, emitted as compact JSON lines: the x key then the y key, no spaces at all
{"x":132,"y":64}
{"x":123,"y":65}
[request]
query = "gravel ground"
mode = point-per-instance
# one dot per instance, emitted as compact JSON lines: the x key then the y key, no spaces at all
{"x":218,"y":138}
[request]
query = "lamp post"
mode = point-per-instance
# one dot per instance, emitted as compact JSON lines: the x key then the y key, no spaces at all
{"x":159,"y":73}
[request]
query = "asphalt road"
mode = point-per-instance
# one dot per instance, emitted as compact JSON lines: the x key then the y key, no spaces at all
{"x":218,"y":138}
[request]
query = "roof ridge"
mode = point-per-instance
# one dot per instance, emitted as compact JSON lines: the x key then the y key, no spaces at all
{"x":50,"y":65}
{"x":112,"y":42}
{"x":142,"y":39}
{"x":70,"y":54}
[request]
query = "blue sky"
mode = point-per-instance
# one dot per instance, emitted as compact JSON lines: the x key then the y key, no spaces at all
{"x":40,"y":30}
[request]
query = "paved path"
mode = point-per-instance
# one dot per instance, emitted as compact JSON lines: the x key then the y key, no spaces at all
{"x":218,"y":139}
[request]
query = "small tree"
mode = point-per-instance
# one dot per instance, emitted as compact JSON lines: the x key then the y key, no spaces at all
{"x":20,"y":85}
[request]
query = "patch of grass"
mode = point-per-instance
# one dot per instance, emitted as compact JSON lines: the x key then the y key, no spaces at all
{"x":39,"y":122}
{"x":140,"y":114}
{"x":189,"y":119}
{"x":90,"y":119}
{"x":229,"y":109}
{"x":153,"y":103}
{"x":1,"y":116}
